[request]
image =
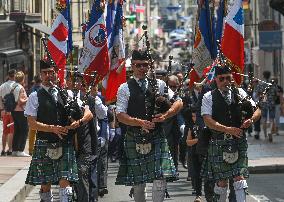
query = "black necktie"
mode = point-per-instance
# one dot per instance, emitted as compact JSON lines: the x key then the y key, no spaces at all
{"x":142,"y":84}
{"x":227,"y":97}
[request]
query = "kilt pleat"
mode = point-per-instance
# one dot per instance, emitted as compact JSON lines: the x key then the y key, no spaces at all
{"x":136,"y":168}
{"x":44,"y":170}
{"x":215,"y":168}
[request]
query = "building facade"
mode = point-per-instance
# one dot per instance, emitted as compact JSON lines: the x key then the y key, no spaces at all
{"x":23,"y":25}
{"x":266,"y":39}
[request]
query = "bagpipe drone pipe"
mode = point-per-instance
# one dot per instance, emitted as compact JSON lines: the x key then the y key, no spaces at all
{"x":161,"y":103}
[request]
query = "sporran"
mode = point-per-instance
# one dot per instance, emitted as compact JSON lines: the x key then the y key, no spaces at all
{"x":54,"y":150}
{"x":230,"y":149}
{"x":143,"y":143}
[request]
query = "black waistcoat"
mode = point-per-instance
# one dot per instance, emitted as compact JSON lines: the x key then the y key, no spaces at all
{"x":228,"y":115}
{"x":52,"y":114}
{"x":138,"y":100}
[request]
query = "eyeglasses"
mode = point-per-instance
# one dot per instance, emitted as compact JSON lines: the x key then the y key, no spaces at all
{"x":222,"y":78}
{"x":140,"y":65}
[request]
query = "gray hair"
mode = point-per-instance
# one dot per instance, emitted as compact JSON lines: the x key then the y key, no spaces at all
{"x":174,"y":78}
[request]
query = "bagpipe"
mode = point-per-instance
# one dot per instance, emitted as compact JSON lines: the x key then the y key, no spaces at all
{"x":244,"y":102}
{"x":70,"y":103}
{"x":161,"y":103}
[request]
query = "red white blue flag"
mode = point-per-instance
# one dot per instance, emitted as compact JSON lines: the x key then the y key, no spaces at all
{"x":221,"y":13}
{"x":60,"y":41}
{"x":205,"y":49}
{"x":233,"y":39}
{"x":117,"y":74}
{"x":94,"y":56}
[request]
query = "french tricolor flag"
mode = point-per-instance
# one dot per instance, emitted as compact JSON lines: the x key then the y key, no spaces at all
{"x":60,"y":41}
{"x":233,"y":39}
{"x":94,"y":56}
{"x":117,"y":74}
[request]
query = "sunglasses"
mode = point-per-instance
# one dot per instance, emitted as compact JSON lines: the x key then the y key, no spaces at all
{"x":140,"y":65}
{"x":222,"y":78}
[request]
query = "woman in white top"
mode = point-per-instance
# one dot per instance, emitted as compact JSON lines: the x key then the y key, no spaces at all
{"x":20,"y":121}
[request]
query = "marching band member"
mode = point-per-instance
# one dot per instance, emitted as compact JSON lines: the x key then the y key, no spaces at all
{"x":146,"y":157}
{"x":227,"y":152}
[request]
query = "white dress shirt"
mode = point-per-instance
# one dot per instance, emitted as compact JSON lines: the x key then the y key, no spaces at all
{"x":123,"y":94}
{"x":206,"y":107}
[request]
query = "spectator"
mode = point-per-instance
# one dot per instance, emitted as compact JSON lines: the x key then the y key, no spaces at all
{"x":255,"y":96}
{"x":20,"y":121}
{"x":267,"y":105}
{"x":8,"y":127}
{"x":278,"y":102}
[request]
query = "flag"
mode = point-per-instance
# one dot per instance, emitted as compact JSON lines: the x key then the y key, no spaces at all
{"x":59,"y":43}
{"x":221,"y":13}
{"x":137,"y":8}
{"x":205,"y":49}
{"x":211,"y":74}
{"x":111,"y":11}
{"x":233,"y":39}
{"x":117,"y":74}
{"x":94,"y":56}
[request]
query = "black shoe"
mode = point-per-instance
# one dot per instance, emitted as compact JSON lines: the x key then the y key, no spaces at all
{"x":270,"y":137}
{"x":9,"y":153}
{"x":3,"y":153}
{"x":256,"y":137}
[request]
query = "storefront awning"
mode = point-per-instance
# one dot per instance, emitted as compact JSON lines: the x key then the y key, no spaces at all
{"x":15,"y":56}
{"x":40,"y":27}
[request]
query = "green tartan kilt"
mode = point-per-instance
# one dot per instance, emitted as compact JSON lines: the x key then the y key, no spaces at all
{"x":136,"y":168}
{"x":44,"y":170}
{"x":215,"y":168}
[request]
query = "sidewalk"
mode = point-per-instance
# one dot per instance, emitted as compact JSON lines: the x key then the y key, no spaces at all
{"x":12,"y":175}
{"x":264,"y":157}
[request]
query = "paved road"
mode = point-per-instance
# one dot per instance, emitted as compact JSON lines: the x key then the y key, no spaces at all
{"x":179,"y":191}
{"x":267,"y":187}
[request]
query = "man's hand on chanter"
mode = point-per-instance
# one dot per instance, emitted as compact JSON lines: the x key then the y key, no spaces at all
{"x":59,"y":130}
{"x":247,"y":123}
{"x":237,"y":132}
{"x":159,"y":118}
{"x":147,"y":125}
